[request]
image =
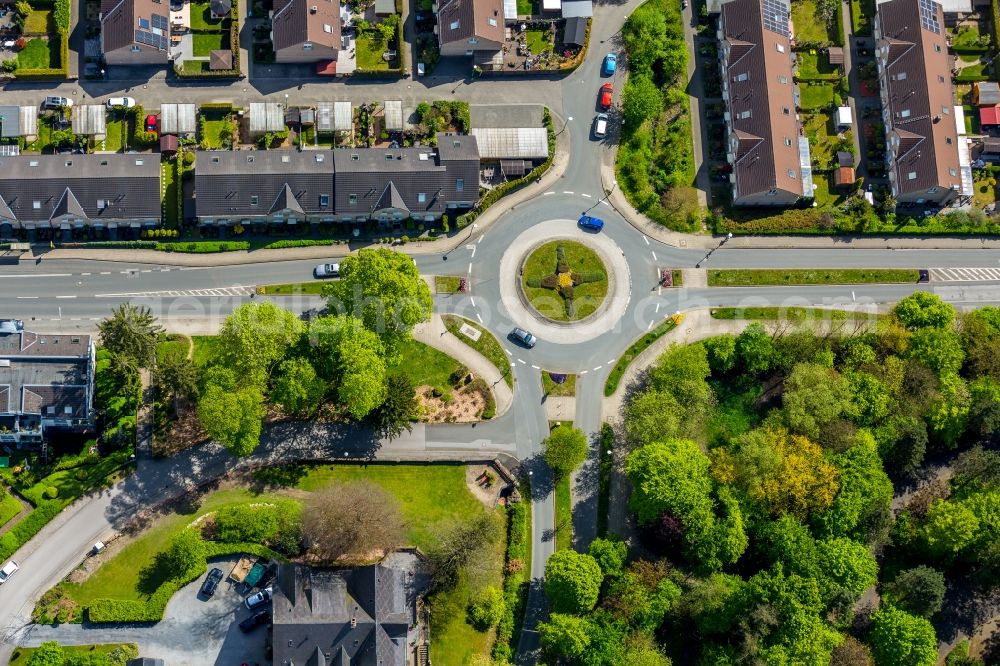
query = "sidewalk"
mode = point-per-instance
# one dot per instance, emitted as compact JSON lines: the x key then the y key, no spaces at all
{"x":434,"y":334}
{"x":440,"y":246}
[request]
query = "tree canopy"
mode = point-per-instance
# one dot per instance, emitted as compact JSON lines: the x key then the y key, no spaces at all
{"x":131,"y":331}
{"x":572,"y":581}
{"x":565,"y":449}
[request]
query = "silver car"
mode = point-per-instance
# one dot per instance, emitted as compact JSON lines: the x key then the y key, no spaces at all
{"x":525,"y":338}
{"x":259,"y":599}
{"x":327,"y":270}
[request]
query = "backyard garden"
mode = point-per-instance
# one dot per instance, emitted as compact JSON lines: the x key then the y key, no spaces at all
{"x":42,"y":47}
{"x":817,"y":23}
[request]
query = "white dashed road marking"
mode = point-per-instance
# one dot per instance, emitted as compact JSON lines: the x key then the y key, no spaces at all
{"x":584,"y":194}
{"x":536,"y":367}
{"x":583,"y":372}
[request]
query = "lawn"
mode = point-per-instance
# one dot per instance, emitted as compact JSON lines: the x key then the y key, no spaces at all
{"x":21,"y":655}
{"x":175,"y":343}
{"x":550,"y":388}
{"x":426,"y":365}
{"x":9,"y":507}
{"x":808,"y":28}
{"x":587,"y":297}
{"x":425,"y":5}
{"x":39,"y":54}
{"x":862,"y":13}
{"x":205,"y":350}
{"x":311,"y":288}
{"x":194,"y":66}
{"x":977,"y":72}
{"x":37,"y":22}
{"x":737,"y":277}
{"x":446,"y":284}
{"x":528,"y":8}
{"x":816,"y":96}
{"x":816,"y":65}
{"x":796,"y":314}
{"x":215,"y":123}
{"x":114,"y":139}
{"x":44,"y":138}
{"x":968,"y":39}
{"x":206,"y":42}
{"x":983,"y":194}
{"x":637,"y":348}
{"x":201,"y":17}
{"x":826,"y":193}
{"x":538,"y":41}
{"x":370,"y":48}
{"x":487,"y":345}
{"x":823,"y":141}
{"x":564,"y":514}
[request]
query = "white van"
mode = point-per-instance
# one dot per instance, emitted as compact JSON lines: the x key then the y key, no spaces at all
{"x":601,"y":125}
{"x":8,"y":571}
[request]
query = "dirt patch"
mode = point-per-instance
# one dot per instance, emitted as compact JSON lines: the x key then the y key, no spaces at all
{"x":464,"y":405}
{"x":484,"y":483}
{"x":179,"y":434}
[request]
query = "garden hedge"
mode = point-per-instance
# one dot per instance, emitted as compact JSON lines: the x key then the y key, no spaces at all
{"x":515,"y":587}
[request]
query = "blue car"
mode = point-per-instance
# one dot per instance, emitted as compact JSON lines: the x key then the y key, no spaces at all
{"x":610,"y":64}
{"x":591,"y":223}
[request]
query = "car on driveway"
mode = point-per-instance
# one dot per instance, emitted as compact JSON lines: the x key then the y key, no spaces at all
{"x":591,"y":223}
{"x":523,"y":337}
{"x":150,"y":123}
{"x":127,"y":102}
{"x":605,"y":96}
{"x":327,"y":270}
{"x":259,"y":599}
{"x":57,"y":102}
{"x":254,"y":621}
{"x":609,"y":65}
{"x":8,"y":570}
{"x":211,"y":582}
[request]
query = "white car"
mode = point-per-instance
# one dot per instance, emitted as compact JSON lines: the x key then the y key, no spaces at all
{"x":127,"y":102}
{"x":259,"y":599}
{"x":327,"y":270}
{"x":8,"y":570}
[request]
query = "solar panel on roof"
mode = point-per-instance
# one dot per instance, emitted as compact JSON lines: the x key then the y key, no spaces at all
{"x":163,"y":42}
{"x":160,"y":21}
{"x":928,"y":16}
{"x":142,"y":36}
{"x":776,"y":17}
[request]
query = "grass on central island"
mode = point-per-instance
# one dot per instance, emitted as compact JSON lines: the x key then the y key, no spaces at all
{"x":550,"y":303}
{"x":739,"y":277}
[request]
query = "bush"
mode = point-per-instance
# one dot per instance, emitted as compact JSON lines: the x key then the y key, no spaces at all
{"x":534,"y":282}
{"x":488,"y":609}
{"x":52,"y":492}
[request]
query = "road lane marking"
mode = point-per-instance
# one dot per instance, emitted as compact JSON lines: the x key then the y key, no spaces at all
{"x":75,"y":318}
{"x":646,"y":239}
{"x":536,"y":367}
{"x":583,"y":372}
{"x":84,"y":273}
{"x":473,"y":256}
{"x":32,"y":275}
{"x":650,"y":326}
{"x":657,"y":308}
{"x":28,"y":297}
{"x":473,"y":302}
{"x":654,"y":255}
{"x":853,"y":297}
{"x":568,"y":192}
{"x":164,"y":270}
{"x":65,"y":296}
{"x":521,"y":361}
{"x":612,"y":361}
{"x":584,"y":194}
{"x":105,"y":272}
{"x":479,"y":317}
{"x":513,"y":365}
{"x":470,"y":267}
{"x":235,"y":290}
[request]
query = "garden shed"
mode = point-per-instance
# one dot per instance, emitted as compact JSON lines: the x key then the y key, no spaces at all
{"x":835,"y":54}
{"x":394,"y":115}
{"x":986,"y":93}
{"x":845,"y":119}
{"x":575,"y":32}
{"x":266,"y":117}
{"x":220,"y":60}
{"x":168,"y":144}
{"x":844,"y":177}
{"x":89,"y":120}
{"x":17,"y":121}
{"x":989,"y":115}
{"x":385,"y":7}
{"x":178,"y":119}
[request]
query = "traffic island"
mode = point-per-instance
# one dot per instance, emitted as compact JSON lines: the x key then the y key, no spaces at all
{"x":564,"y":281}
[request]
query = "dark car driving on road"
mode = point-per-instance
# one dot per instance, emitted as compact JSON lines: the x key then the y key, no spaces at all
{"x":211,"y":582}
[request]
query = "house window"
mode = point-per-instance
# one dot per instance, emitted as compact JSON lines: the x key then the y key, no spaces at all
{"x":50,"y":409}
{"x":307,"y":47}
{"x":933,"y":190}
{"x":785,"y":110}
{"x":791,"y":173}
{"x":937,"y":48}
{"x":101,"y":204}
{"x":946,"y":110}
{"x":327,"y":28}
{"x":781,"y":48}
{"x":67,"y":410}
{"x":453,"y":25}
{"x":135,"y":49}
{"x":788,"y":141}
{"x":473,"y":40}
{"x":782,"y":79}
{"x":947,"y":140}
{"x":742,"y":77}
{"x":254,"y":200}
{"x":285,"y":159}
{"x":388,"y":156}
{"x":215,"y":160}
{"x":324,"y":200}
{"x":905,"y":113}
{"x":772,"y":193}
{"x":352,"y":199}
{"x":899,"y":77}
{"x":492,"y":22}
{"x":952,"y":172}
{"x":421,"y":197}
{"x":743,"y":115}
{"x":940,"y":79}
{"x":460,"y":184}
{"x":911,"y":176}
{"x":36,"y":204}
{"x":354,"y":157}
{"x":34,"y":163}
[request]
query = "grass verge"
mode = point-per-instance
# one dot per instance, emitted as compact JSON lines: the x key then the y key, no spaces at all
{"x":426,"y":365}
{"x":446,"y":284}
{"x":637,"y":348}
{"x":564,"y":514}
{"x":9,"y":507}
{"x":566,"y":389}
{"x":487,"y":345}
{"x":737,"y":277}
{"x":22,"y":655}
{"x":791,"y":314}
{"x":311,"y":288}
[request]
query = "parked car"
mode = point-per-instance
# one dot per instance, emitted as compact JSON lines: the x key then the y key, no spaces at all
{"x":254,"y":621}
{"x":57,"y":102}
{"x":127,"y":102}
{"x":259,"y":599}
{"x":8,"y":570}
{"x":523,"y":337}
{"x":609,"y":65}
{"x":211,"y":582}
{"x":605,"y":96}
{"x":601,"y":125}
{"x":591,"y":223}
{"x":150,"y":123}
{"x":327,"y":270}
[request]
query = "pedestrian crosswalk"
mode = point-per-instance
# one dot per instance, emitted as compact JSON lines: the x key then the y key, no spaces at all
{"x":964,"y":274}
{"x":237,"y":290}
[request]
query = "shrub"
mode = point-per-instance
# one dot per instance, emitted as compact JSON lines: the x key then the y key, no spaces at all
{"x":534,"y":282}
{"x":188,"y":157}
{"x":550,"y":281}
{"x":590,"y":276}
{"x":52,"y":492}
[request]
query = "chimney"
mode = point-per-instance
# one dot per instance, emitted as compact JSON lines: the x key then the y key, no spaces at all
{"x":313,"y":9}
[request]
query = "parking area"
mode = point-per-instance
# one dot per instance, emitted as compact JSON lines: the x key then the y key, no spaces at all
{"x":195,"y":631}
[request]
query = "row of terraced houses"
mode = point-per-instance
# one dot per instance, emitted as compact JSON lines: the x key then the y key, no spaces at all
{"x":927,"y":154}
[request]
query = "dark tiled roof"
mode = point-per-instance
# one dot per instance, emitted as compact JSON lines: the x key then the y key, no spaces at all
{"x":575,"y":31}
{"x":42,"y":371}
{"x":762,"y":108}
{"x":123,"y":19}
{"x":220,"y":59}
{"x":917,"y":78}
{"x":295,"y":22}
{"x":221,"y":7}
{"x":73,"y":184}
{"x":475,"y":18}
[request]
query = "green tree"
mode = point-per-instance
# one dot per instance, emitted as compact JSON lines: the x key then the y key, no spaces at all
{"x":871,"y":401}
{"x":721,"y":353}
{"x":610,"y":555}
{"x":652,"y":416}
{"x":48,"y":653}
{"x":131,"y":331}
{"x":905,"y":453}
{"x":948,"y":417}
{"x":641,"y":100}
{"x":939,"y":349}
{"x":949,"y":528}
{"x":572,"y":581}
{"x":232,"y":417}
{"x":755,"y":349}
{"x":399,"y":408}
{"x":362,"y":385}
{"x":919,"y":591}
{"x":564,"y":635}
{"x":185,"y":554}
{"x":670,"y":476}
{"x":813,"y":397}
{"x":923,"y":309}
{"x":846,"y":565}
{"x":979,"y":334}
{"x":255,"y":337}
{"x":487,"y":609}
{"x":900,"y":639}
{"x":297,"y":388}
{"x":642,"y":595}
{"x":565,"y":450}
{"x":178,"y":377}
{"x":851,"y":652}
{"x":383,"y":290}
{"x":865,"y":491}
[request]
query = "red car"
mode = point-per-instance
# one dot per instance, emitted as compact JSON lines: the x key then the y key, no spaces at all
{"x":150,"y":123}
{"x":604,"y":98}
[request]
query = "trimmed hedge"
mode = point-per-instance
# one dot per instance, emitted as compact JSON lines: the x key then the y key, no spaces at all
{"x":103,"y":611}
{"x":284,"y":244}
{"x":28,"y":527}
{"x":515,"y":587}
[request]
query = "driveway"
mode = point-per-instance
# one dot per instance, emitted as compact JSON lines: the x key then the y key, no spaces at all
{"x":194,"y":632}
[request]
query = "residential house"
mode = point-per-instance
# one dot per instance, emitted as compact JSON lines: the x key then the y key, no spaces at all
{"x":765,"y":146}
{"x":73,"y":192}
{"x":347,"y":617}
{"x":135,"y":32}
{"x":46,"y":384}
{"x":471,"y":28}
{"x":927,"y":155}
{"x":304,"y":31}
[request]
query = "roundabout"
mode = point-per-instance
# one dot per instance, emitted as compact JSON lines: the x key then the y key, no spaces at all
{"x":542,"y":309}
